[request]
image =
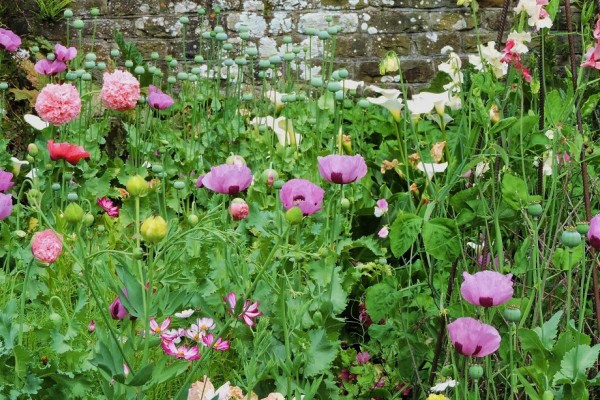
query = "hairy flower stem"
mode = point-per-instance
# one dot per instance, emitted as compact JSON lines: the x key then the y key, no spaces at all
{"x":584,"y":171}
{"x":541,"y":106}
{"x":442,"y":331}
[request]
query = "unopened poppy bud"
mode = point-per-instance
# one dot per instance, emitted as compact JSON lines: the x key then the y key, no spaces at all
{"x":548,"y":395}
{"x":535,"y":209}
{"x":192,"y":219}
{"x":32,"y":149}
{"x":270,"y":176}
{"x":34,"y":196}
{"x":475,"y":371}
{"x":278,"y":184}
{"x":238,"y":209}
{"x":154,"y":229}
{"x":235,"y":160}
{"x":73,"y":213}
{"x":345,"y":203}
{"x":583,"y":228}
{"x":137,"y":186}
{"x":294,"y":215}
{"x":88,"y":219}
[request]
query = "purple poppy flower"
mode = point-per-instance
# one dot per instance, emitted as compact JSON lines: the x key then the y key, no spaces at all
{"x":50,"y":68}
{"x":158,"y":99}
{"x":303,"y":194}
{"x":487,"y":288}
{"x":342,"y":169}
{"x":594,"y":232}
{"x":228,"y":179}
{"x":64,"y":54}
{"x":5,"y":181}
{"x":9,"y":40}
{"x":5,"y":205}
{"x":473,"y":338}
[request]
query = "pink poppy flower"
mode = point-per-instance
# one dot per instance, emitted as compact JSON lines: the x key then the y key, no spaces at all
{"x":64,"y":54}
{"x":5,"y":205}
{"x":597,"y":29}
{"x":228,"y":179}
{"x":487,"y":288}
{"x":156,"y":329}
{"x":120,"y":91}
{"x":473,"y":338}
{"x":46,"y":246}
{"x":58,"y":104}
{"x":199,"y":183}
{"x":249,"y":311}
{"x":49,"y":68}
{"x":9,"y":40}
{"x":303,"y":194}
{"x":158,"y":99}
{"x":593,"y":233}
{"x":5,"y":180}
{"x":219,"y":344}
{"x":107,"y":205}
{"x":342,"y":169}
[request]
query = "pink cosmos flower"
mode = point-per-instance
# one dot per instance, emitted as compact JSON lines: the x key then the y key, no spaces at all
{"x":189,"y":354}
{"x":473,"y":338}
{"x":158,"y":99}
{"x":64,"y":54}
{"x":9,"y":40}
{"x":156,"y":329}
{"x":487,"y":288}
{"x":58,"y":104}
{"x":107,"y":205}
{"x":120,"y":90}
{"x":220,"y":344}
{"x":46,"y":246}
{"x":593,"y":233}
{"x":5,"y":205}
{"x":205,"y":324}
{"x":342,"y":169}
{"x":363,"y":357}
{"x":238,"y":209}
{"x":5,"y":180}
{"x":249,"y":311}
{"x":49,"y":68}
{"x":173,"y":335}
{"x":383,"y":232}
{"x":381,"y":207}
{"x":303,"y":194}
{"x":228,"y":179}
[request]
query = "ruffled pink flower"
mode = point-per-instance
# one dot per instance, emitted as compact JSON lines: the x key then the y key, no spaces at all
{"x":58,"y":104}
{"x":5,"y":180}
{"x":249,"y":312}
{"x":473,"y":338}
{"x":228,"y":179}
{"x":238,"y":209}
{"x":342,"y":169}
{"x":487,"y":288}
{"x":9,"y":40}
{"x":46,"y":246}
{"x":107,"y":205}
{"x":220,"y":344}
{"x":5,"y":205}
{"x":592,"y":57}
{"x":64,"y":54}
{"x":593,"y":233}
{"x":303,"y":194}
{"x":49,"y":68}
{"x":158,"y":99}
{"x":120,"y":91}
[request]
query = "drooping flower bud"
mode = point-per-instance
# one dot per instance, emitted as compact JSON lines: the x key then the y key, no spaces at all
{"x":73,"y":213}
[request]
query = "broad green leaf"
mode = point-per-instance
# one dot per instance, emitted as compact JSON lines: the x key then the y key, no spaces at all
{"x":514,"y":191}
{"x":547,"y":332}
{"x":442,"y":239}
{"x":577,"y":361}
{"x":560,"y":258}
{"x":381,"y":300}
{"x":321,"y":352}
{"x":142,"y":376}
{"x":590,"y":105}
{"x":404,"y":232}
{"x":532,"y":344}
{"x":503,"y":124}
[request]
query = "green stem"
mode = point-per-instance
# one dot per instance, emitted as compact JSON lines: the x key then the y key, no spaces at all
{"x":22,"y":306}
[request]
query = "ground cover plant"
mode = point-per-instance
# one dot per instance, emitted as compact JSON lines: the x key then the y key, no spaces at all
{"x":245,"y":225}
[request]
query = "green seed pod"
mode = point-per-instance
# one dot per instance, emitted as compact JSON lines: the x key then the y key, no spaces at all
{"x":548,"y":395}
{"x":137,"y":186}
{"x":154,"y":229}
{"x":88,"y":220}
{"x":535,"y":209}
{"x":570,"y":238}
{"x":345,"y":203}
{"x":72,"y":196}
{"x":192,"y":219}
{"x":512,"y":314}
{"x":278,"y":184}
{"x":583,"y":228}
{"x":475,"y":372}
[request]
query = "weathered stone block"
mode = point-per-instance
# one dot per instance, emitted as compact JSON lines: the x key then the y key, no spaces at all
{"x":470,"y":41}
{"x":490,"y":3}
{"x":417,"y":71}
{"x":381,"y":44}
{"x":105,"y":27}
{"x":490,"y":19}
{"x":425,"y":4}
{"x":348,"y":21}
{"x":349,"y":46}
{"x":344,"y":4}
{"x":397,"y":21}
{"x":432,"y":43}
{"x":455,"y":21}
{"x":133,"y":7}
{"x":82,"y":8}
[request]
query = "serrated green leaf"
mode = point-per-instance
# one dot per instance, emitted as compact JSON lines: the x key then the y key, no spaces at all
{"x":577,"y":361}
{"x":442,"y":239}
{"x":381,"y":300}
{"x":548,"y":331}
{"x":321,"y":352}
{"x":404,"y":232}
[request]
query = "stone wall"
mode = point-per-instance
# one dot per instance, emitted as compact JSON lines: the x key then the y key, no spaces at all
{"x":416,"y":29}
